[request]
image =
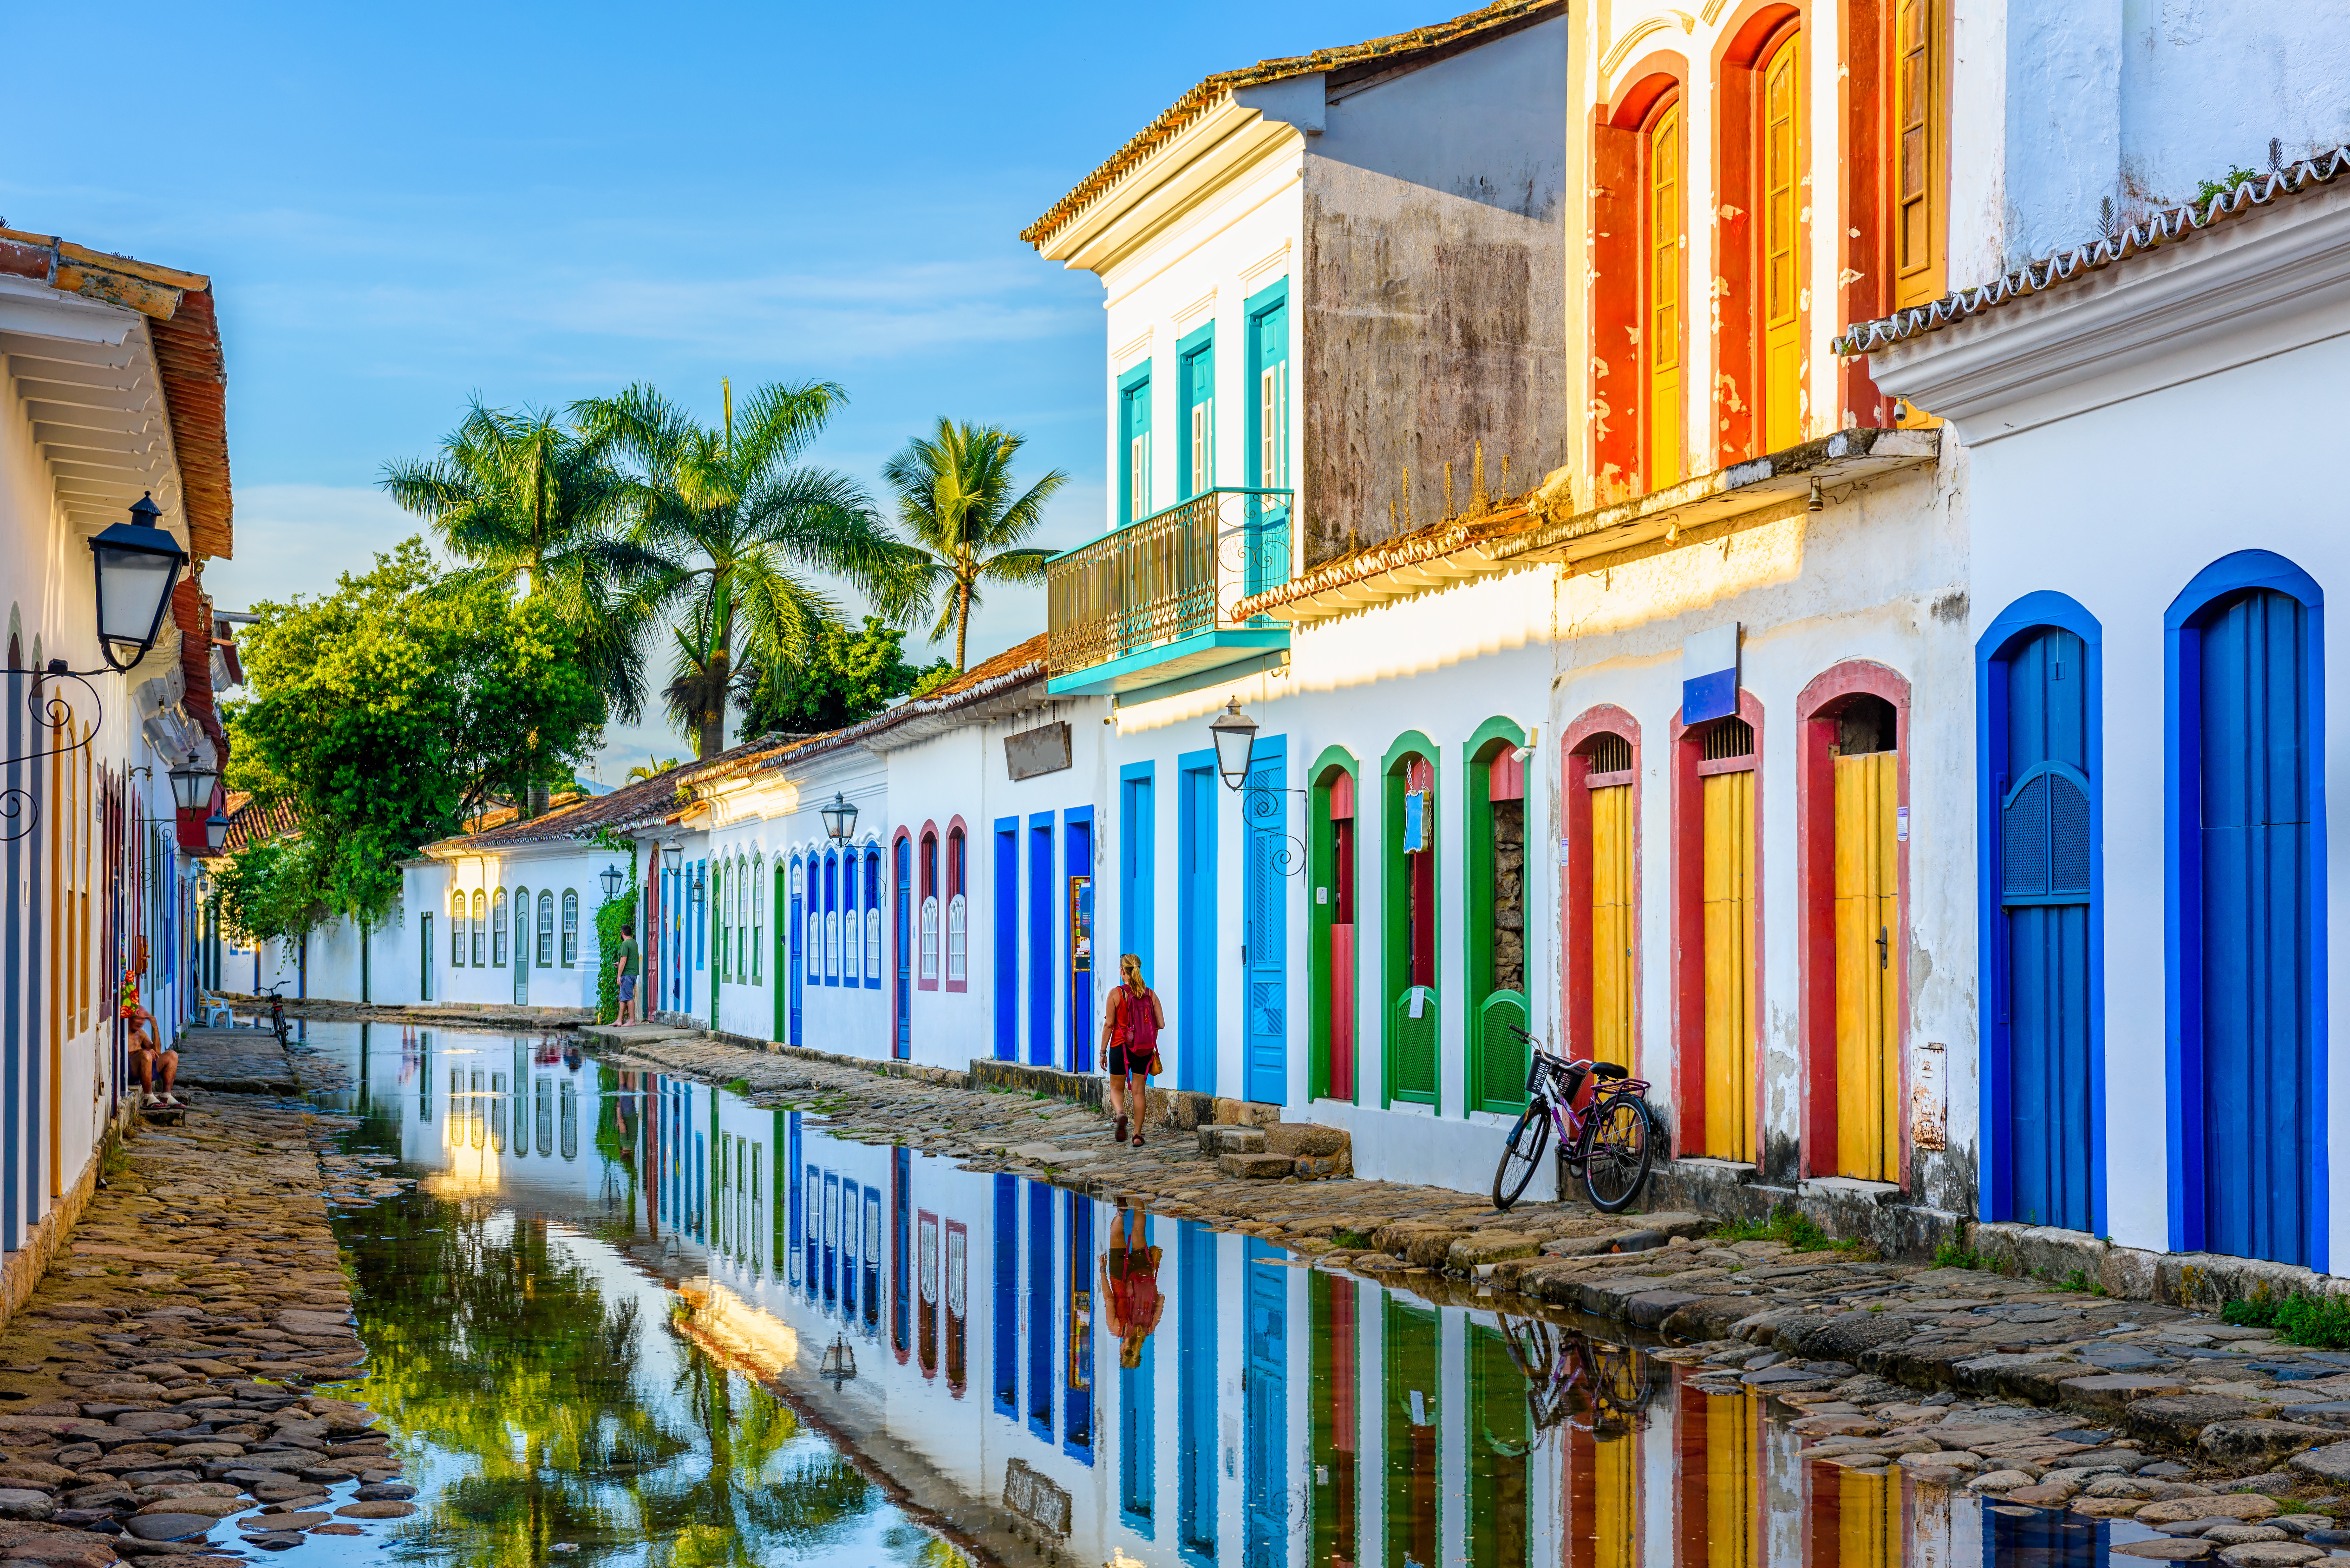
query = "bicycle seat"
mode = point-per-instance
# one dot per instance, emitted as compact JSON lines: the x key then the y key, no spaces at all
{"x":1608,"y":1070}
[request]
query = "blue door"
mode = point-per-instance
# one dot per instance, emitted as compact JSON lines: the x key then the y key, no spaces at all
{"x":2044,"y":846}
{"x":1195,"y":1008}
{"x":1266,"y":924}
{"x":1041,"y":887}
{"x":1267,"y":1501}
{"x":2261,"y":1098}
{"x":1077,"y":1366}
{"x":902,"y":920}
{"x":1078,"y":846}
{"x":1007,"y":938}
{"x":1043,"y":1344}
{"x":1004,"y":1312}
{"x":1196,"y":1438}
{"x":799,"y":961}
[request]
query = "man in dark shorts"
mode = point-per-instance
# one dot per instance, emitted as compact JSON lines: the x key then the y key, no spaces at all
{"x":1131,"y":1284}
{"x":146,"y":1061}
{"x":625,"y":969}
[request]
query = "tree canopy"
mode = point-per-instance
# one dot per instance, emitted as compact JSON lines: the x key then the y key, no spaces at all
{"x":846,"y":675}
{"x":387,"y":713}
{"x":964,"y":518}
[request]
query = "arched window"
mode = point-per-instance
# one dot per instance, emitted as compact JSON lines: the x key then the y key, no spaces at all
{"x":521,"y":928}
{"x":811,"y":900}
{"x":1496,"y":925}
{"x":873,"y":916}
{"x":930,"y":911}
{"x":498,"y":930}
{"x":1600,"y":811}
{"x":742,"y":897}
{"x":570,"y":928}
{"x":958,"y":912}
{"x":456,"y":930}
{"x":481,"y":930}
{"x":832,"y":919}
{"x":758,"y":915}
{"x":546,"y":930}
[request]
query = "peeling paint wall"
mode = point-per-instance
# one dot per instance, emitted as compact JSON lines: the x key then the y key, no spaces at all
{"x":1433,"y":312}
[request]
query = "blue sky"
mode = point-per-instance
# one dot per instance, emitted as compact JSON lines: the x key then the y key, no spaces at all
{"x":401,"y":206}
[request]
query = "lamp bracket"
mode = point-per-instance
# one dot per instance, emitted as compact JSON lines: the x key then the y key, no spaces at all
{"x":53,"y":710}
{"x":1260,"y":805}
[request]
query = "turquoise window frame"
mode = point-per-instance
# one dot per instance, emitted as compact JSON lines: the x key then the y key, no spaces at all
{"x":1262,"y":355}
{"x":1195,"y":383}
{"x":1133,"y":401}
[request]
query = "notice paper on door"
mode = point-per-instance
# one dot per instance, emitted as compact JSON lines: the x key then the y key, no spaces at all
{"x":1419,"y":995}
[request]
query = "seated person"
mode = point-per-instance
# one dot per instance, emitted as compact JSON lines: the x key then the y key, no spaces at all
{"x":145,"y":1059}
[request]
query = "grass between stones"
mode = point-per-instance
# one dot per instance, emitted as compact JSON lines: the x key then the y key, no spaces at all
{"x":1798,"y":1232}
{"x":2299,"y":1318}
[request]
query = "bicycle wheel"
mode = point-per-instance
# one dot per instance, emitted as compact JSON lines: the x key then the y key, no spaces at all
{"x":1521,"y":1155}
{"x":1618,"y":1147}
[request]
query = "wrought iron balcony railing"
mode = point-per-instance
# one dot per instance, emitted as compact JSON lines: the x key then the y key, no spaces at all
{"x":1173,"y":575}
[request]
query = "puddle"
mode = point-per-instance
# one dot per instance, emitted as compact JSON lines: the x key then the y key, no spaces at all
{"x":643,"y":1319}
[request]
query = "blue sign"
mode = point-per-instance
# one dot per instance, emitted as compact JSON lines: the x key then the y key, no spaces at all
{"x":1709,"y":675}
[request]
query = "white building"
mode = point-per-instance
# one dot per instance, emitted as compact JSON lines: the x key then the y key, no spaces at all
{"x":111,"y":392}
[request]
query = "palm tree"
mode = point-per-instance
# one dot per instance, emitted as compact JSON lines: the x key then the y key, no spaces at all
{"x":695,"y":697}
{"x":652,"y":767}
{"x":522,"y":497}
{"x":956,"y":502}
{"x":735,"y":521}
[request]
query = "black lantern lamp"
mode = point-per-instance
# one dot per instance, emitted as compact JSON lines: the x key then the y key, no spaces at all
{"x":216,"y":832}
{"x":697,"y":884}
{"x":839,"y":1362}
{"x":1235,"y":736}
{"x":839,"y":818}
{"x":137,"y":565}
{"x":192,"y":784}
{"x":611,"y":880}
{"x":673,"y":855}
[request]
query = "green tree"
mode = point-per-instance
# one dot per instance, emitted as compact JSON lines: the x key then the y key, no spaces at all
{"x":847,"y":676}
{"x":965,"y":518}
{"x":524,"y":499}
{"x":738,"y":523}
{"x":392,"y":709}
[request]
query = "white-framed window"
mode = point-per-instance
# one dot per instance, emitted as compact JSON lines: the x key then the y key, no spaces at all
{"x":1138,"y":466}
{"x":930,"y":938}
{"x":1272,"y":425}
{"x":758,"y":914}
{"x":958,"y":939}
{"x":547,"y":930}
{"x":1203,"y":445}
{"x":873,"y":944}
{"x":498,"y":930}
{"x":481,"y":930}
{"x":832,"y":944}
{"x":456,"y":930}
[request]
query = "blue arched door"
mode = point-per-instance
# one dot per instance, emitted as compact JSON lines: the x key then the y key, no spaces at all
{"x":902,"y":925}
{"x":2044,"y":847}
{"x":2252,"y":819}
{"x":798,"y":924}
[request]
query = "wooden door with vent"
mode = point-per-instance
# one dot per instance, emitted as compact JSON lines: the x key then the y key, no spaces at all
{"x":1728,"y":803}
{"x":1867,"y":931}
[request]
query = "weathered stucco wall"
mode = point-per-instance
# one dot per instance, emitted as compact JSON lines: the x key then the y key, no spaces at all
{"x":1433,"y":291}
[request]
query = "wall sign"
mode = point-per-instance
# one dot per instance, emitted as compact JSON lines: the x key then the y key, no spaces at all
{"x":1033,"y":753}
{"x":1709,"y":675}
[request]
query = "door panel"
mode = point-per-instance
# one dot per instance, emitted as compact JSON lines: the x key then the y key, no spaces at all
{"x":1867,"y":925}
{"x":2260,"y":1106}
{"x":1728,"y":803}
{"x":1195,"y":1018}
{"x":1611,"y":924}
{"x":1267,"y":1500}
{"x":1267,"y":930}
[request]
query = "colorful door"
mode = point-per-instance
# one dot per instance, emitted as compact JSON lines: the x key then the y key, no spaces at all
{"x":1412,"y":1023}
{"x":1268,"y":465}
{"x":2262,"y":1107}
{"x":1732,"y":1468}
{"x":1267,"y":1505}
{"x":1410,"y":1417}
{"x":1501,"y":1455}
{"x":1077,"y":860}
{"x":1782,"y":149}
{"x":902,"y":932}
{"x":424,"y":976}
{"x":1867,"y":928}
{"x":1265,"y":926}
{"x":522,"y":948}
{"x":797,"y":926}
{"x":2042,"y":1009}
{"x":1611,"y":924}
{"x":1728,"y":803}
{"x":1664,"y":259}
{"x":786,"y":993}
{"x":1195,"y":1018}
{"x":1333,"y":910}
{"x":1196,"y":1439}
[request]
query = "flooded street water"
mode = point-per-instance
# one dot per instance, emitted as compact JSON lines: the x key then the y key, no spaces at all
{"x":626,"y":1318}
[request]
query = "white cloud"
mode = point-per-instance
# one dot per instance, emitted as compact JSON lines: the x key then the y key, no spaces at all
{"x":299,"y":538}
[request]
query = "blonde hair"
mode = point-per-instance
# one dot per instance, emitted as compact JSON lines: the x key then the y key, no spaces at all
{"x":1129,"y":970}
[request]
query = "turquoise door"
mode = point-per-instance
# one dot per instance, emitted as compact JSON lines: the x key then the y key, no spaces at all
{"x":1267,"y":1500}
{"x":1265,"y":921}
{"x":1195,"y":853}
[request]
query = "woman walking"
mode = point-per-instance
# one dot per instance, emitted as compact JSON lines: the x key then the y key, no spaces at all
{"x":1130,"y":1027}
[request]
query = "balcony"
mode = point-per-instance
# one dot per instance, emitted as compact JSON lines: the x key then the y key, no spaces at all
{"x":1151,"y":604}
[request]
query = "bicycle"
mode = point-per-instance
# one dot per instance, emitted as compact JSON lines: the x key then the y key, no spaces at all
{"x":1610,"y":1146}
{"x":1573,"y":1379}
{"x":278,"y":1015}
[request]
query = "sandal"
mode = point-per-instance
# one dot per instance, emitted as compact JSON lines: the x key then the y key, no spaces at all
{"x":1120,"y":1135}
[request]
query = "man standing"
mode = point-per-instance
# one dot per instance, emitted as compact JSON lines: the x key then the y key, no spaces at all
{"x":624,"y":969}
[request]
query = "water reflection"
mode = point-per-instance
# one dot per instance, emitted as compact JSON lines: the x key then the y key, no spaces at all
{"x":607,"y":1312}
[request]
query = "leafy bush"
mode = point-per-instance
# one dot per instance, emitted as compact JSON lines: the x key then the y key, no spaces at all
{"x":610,"y":915}
{"x":1950,"y":1255}
{"x":2299,"y":1318}
{"x":2209,"y":190}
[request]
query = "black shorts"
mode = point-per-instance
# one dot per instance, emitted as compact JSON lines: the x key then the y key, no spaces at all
{"x":1118,"y":1063}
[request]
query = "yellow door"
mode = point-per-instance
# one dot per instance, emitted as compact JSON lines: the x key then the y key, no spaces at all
{"x":1611,"y":924}
{"x":1868,"y":1520}
{"x":1729,"y":900}
{"x":1867,"y":931}
{"x":1615,"y":1501}
{"x":1664,"y":314}
{"x":1732,"y":1461}
{"x":1782,"y":150}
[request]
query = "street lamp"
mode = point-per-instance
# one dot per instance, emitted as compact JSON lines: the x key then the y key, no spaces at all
{"x":611,"y":880}
{"x":192,"y":784}
{"x":839,"y":818}
{"x":672,"y":856}
{"x":697,"y":884}
{"x":136,"y":564}
{"x":216,"y":832}
{"x":1235,"y":737}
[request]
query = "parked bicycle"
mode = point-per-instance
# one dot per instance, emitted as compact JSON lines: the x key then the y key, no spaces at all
{"x":278,"y":1015}
{"x":1578,"y":1381}
{"x":1610,"y":1144}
